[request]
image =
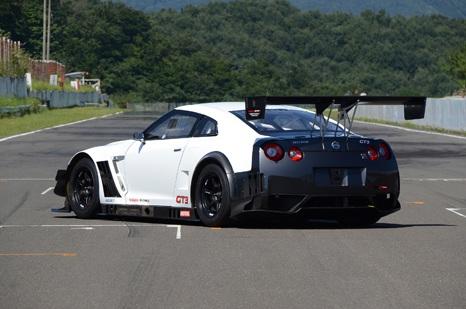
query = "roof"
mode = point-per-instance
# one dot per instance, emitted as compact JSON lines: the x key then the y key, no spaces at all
{"x":228,"y":106}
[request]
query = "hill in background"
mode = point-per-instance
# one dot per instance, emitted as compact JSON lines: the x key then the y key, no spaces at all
{"x":450,"y":8}
{"x":225,"y":51}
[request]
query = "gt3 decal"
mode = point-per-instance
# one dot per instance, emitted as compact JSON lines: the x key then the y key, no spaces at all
{"x":182,"y":199}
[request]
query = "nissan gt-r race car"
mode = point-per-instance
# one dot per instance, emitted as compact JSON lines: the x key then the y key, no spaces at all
{"x":214,"y":161}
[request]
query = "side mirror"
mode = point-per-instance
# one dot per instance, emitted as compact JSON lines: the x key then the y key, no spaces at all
{"x":139,"y":136}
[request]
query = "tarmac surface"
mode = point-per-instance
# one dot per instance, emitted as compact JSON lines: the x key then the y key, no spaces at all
{"x":415,"y":258}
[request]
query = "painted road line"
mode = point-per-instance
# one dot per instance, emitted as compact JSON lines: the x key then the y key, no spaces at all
{"x":57,"y":126}
{"x":436,"y":179}
{"x":456,"y":211}
{"x":411,"y":130}
{"x":88,"y":226}
{"x":26,"y":179}
{"x":66,"y":254}
{"x":417,"y":203}
{"x":47,"y":190}
{"x":7,"y":226}
{"x":178,"y":230}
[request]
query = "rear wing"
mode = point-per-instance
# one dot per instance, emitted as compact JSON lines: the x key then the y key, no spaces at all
{"x":414,"y":107}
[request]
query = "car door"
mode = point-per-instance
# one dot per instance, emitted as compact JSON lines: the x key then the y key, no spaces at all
{"x":151,"y":165}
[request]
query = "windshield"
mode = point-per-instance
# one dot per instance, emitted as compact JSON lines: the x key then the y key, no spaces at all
{"x":282,"y":121}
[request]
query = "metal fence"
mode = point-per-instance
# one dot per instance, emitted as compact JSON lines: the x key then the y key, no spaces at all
{"x":60,"y":99}
{"x":445,"y":113}
{"x":8,"y":50}
{"x":13,"y":87}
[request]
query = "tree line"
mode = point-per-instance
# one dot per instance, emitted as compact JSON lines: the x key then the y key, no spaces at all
{"x":225,"y":51}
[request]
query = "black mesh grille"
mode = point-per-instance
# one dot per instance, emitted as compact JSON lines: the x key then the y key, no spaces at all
{"x":107,"y":180}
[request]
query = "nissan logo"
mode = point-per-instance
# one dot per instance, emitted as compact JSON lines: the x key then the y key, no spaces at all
{"x":335,"y":145}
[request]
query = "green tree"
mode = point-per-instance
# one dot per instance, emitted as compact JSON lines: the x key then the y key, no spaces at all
{"x":456,"y":66}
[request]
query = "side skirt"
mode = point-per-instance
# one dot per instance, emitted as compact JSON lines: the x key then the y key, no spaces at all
{"x":158,"y":212}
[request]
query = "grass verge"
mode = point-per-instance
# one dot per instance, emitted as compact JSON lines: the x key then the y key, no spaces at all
{"x":13,"y":101}
{"x":50,"y":118}
{"x":410,"y":125}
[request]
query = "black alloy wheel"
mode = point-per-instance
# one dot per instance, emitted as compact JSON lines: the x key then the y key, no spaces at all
{"x":83,"y":189}
{"x":212,"y":196}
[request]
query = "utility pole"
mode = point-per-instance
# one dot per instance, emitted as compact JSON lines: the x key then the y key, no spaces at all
{"x":48,"y":30}
{"x":44,"y":30}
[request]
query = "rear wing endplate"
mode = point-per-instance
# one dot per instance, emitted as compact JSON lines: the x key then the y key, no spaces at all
{"x":414,"y":107}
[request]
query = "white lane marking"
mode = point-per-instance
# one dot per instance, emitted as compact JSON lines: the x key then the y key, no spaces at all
{"x":57,"y":126}
{"x":46,"y":190}
{"x":89,"y":226}
{"x":456,"y":211}
{"x":76,"y":225}
{"x":26,"y":179}
{"x":410,"y":130}
{"x":436,"y":179}
{"x":178,"y":230}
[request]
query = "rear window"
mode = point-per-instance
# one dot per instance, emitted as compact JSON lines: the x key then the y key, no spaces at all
{"x":286,"y":120}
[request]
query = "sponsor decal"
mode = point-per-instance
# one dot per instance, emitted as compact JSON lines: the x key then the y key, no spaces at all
{"x":138,"y":200}
{"x":185,"y":213}
{"x":109,"y":200}
{"x":364,"y":141}
{"x":182,"y":199}
{"x":300,"y":142}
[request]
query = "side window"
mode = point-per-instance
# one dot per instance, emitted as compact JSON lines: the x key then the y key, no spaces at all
{"x":209,"y":128}
{"x":206,"y":127}
{"x":177,"y":125}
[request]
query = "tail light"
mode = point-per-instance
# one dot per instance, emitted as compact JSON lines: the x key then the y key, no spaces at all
{"x":384,"y":151}
{"x":295,"y":154}
{"x":273,"y":151}
{"x":372,"y":154}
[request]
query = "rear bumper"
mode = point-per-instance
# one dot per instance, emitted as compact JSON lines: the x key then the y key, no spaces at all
{"x":301,"y":195}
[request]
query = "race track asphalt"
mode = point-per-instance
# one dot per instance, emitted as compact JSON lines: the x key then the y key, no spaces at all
{"x":415,"y":258}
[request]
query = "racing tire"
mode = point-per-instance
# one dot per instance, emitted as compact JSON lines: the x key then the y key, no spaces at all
{"x":359,"y":221}
{"x":212,"y":196}
{"x":83,"y":189}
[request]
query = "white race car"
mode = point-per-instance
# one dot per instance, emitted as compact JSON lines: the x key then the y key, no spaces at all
{"x":213,"y":161}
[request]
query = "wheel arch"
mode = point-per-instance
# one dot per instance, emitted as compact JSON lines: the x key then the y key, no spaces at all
{"x":76,"y":158}
{"x":217,"y":158}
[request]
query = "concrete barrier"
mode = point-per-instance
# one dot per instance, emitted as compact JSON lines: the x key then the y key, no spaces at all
{"x":446,"y":113}
{"x":158,"y":107}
